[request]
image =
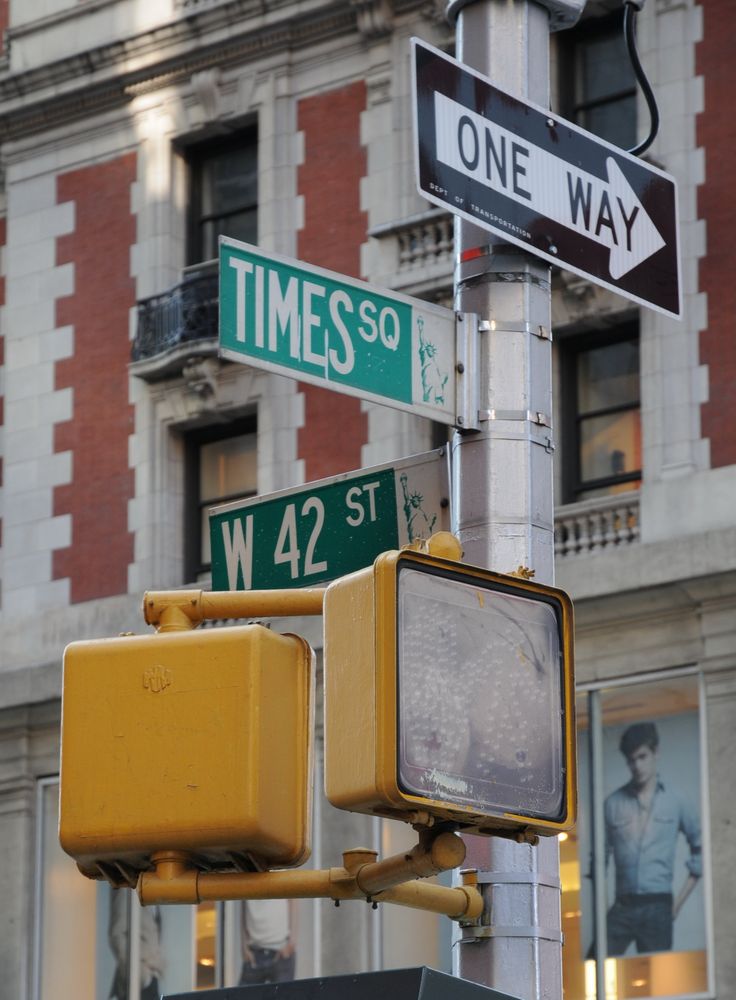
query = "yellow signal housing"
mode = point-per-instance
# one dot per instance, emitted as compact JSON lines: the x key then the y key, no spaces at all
{"x":449,"y":696}
{"x":197,"y":741}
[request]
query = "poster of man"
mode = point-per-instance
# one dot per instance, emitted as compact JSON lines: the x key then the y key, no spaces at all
{"x":648,"y":793}
{"x":644,"y":820}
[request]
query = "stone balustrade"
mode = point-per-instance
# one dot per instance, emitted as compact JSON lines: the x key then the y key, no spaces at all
{"x":596,"y":525}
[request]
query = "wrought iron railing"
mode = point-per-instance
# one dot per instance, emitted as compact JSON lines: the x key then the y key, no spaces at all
{"x":597,"y":525}
{"x":184,"y":314}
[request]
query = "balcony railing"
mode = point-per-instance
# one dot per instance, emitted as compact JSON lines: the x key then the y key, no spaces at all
{"x":597,"y":525}
{"x":416,"y":254}
{"x":426,"y":241}
{"x":185,"y":314}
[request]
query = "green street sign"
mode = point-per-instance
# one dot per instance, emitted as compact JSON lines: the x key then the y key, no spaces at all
{"x":317,"y":532}
{"x":342,"y":334}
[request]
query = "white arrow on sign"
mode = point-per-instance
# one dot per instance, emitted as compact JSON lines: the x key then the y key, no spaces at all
{"x":605,"y":210}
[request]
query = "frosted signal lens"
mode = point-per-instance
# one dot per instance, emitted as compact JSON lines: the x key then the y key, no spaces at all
{"x":480,"y":700}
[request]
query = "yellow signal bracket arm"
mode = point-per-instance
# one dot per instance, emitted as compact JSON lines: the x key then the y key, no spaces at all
{"x":175,"y":879}
{"x":172,"y":610}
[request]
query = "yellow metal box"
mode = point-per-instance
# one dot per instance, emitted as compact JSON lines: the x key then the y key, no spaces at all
{"x":198,"y":741}
{"x":449,"y":695}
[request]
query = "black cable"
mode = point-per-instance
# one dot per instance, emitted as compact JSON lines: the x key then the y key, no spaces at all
{"x":631,"y":9}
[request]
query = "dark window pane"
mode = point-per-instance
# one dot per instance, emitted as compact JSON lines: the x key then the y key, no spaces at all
{"x":224,"y":194}
{"x":601,"y":425}
{"x":605,"y":67}
{"x":229,"y":180}
{"x":608,"y":376}
{"x":239,"y":226}
{"x":597,"y":82}
{"x":614,"y":121}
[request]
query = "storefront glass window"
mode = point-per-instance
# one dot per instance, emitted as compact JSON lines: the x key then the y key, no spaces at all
{"x":66,"y":907}
{"x":633,"y":870}
{"x":88,"y":936}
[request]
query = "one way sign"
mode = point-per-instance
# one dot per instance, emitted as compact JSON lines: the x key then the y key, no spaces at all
{"x":543,"y":183}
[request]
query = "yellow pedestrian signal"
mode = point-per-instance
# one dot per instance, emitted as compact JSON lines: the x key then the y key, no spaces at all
{"x":191,"y":741}
{"x":449,"y":695}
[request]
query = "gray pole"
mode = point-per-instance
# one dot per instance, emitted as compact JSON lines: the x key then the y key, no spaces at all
{"x":502,"y":489}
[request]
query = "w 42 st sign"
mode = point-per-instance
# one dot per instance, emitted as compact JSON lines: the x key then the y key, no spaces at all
{"x":542,"y":183}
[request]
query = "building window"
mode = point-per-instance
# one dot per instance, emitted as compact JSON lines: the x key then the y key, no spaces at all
{"x":88,"y":936}
{"x":597,"y":83}
{"x":223,"y":193}
{"x":221,"y":465}
{"x":64,"y":911}
{"x":601,"y":420}
{"x":634,"y":869}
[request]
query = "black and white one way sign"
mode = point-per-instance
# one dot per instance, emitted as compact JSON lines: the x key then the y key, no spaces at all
{"x":543,"y":183}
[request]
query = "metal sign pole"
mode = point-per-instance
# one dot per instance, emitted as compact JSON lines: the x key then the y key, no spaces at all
{"x":502,"y":490}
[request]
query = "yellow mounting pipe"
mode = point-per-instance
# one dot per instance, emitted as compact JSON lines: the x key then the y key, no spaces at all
{"x":429,"y":857}
{"x":463,"y":903}
{"x":159,"y":606}
{"x":175,"y":879}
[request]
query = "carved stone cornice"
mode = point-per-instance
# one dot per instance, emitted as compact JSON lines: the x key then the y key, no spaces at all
{"x":375,"y":17}
{"x":95,"y":81}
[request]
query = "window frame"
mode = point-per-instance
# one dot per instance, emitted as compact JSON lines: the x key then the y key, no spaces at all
{"x":572,"y":98}
{"x":196,"y":155}
{"x":571,"y":347}
{"x":193,"y":503}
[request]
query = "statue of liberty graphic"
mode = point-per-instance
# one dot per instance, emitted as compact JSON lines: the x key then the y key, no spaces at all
{"x":433,"y":380}
{"x":418,"y":523}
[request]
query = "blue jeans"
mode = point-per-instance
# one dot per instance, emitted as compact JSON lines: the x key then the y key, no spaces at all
{"x":646,"y":920}
{"x":267,"y":967}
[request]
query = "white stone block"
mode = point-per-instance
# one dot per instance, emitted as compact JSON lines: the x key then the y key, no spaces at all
{"x":30,"y":258}
{"x":700,"y":384}
{"x":27,"y":290}
{"x":29,"y":569}
{"x":45,"y":596}
{"x":20,"y":444}
{"x":57,"y":406}
{"x":31,"y":381}
{"x":60,"y":281}
{"x":36,"y":226}
{"x":32,"y":195}
{"x":41,"y":536}
{"x":57,"y":344}
{"x":23,"y":320}
{"x":696,"y":312}
{"x":24,"y":508}
{"x":22,"y":415}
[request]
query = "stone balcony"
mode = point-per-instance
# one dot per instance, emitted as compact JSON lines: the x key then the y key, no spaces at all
{"x":598,"y":525}
{"x":177,"y":325}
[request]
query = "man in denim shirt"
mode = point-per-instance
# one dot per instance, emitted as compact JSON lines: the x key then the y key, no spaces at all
{"x":643,"y":821}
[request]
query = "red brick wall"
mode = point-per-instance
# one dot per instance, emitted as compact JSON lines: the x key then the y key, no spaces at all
{"x":334,"y":228}
{"x":102,"y":418}
{"x":716,"y":132}
{"x":4,"y":17}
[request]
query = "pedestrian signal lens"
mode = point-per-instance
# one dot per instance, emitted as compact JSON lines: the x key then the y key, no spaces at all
{"x":480,"y":698}
{"x":449,"y":693}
